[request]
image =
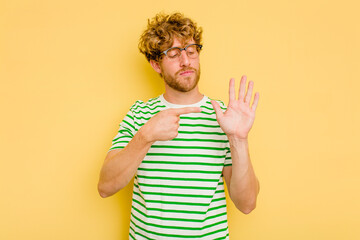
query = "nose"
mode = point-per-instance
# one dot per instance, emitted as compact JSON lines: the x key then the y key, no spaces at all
{"x":184,"y":59}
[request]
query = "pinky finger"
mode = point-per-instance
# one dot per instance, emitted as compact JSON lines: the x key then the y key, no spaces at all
{"x":255,"y":103}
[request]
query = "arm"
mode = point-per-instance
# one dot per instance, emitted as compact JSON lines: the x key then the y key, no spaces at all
{"x":240,"y":178}
{"x":120,"y":165}
{"x":236,"y":122}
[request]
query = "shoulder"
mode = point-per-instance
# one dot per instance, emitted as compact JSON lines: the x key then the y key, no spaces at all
{"x":151,"y":104}
{"x":221,"y":103}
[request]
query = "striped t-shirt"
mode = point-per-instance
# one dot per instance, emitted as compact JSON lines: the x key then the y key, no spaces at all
{"x":178,"y":188}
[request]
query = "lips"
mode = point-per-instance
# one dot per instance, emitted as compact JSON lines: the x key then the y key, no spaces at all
{"x":186,"y":73}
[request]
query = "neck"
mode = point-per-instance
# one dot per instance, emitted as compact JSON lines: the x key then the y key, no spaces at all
{"x":182,"y":98}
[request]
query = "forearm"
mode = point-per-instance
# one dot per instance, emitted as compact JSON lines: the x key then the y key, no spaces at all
{"x":244,"y":185}
{"x":118,"y":169}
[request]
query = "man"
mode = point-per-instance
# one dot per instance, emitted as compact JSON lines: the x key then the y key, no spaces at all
{"x":178,"y":145}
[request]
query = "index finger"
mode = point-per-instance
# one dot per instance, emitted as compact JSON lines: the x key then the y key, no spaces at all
{"x":185,"y":110}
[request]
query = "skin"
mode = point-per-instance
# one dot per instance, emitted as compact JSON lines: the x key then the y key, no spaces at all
{"x":184,"y":72}
{"x":180,"y":79}
{"x":236,"y":122}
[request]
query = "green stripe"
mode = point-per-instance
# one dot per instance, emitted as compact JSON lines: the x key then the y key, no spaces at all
{"x":167,"y":219}
{"x":122,"y":131}
{"x":190,"y":147}
{"x":148,"y":107}
{"x":139,"y":233}
{"x":219,"y":191}
{"x":124,"y":137}
{"x":168,"y":210}
{"x":201,"y":132}
{"x":178,"y":179}
{"x":186,"y":125}
{"x":121,"y":142}
{"x":179,"y":203}
{"x":220,"y":103}
{"x":211,"y":113}
{"x":172,"y":186}
{"x":153,"y":113}
{"x":198,"y":125}
{"x":178,"y":219}
{"x":179,"y":211}
{"x":209,"y":108}
{"x":179,"y":171}
{"x":185,"y":155}
{"x":178,"y":227}
{"x":183,"y":163}
{"x":199,"y":140}
{"x":183,"y":124}
{"x":131,"y":234}
{"x":218,"y":207}
{"x":158,"y":101}
{"x":145,"y":118}
{"x":129,"y":124}
{"x":129,"y":116}
{"x":171,"y":202}
{"x":176,"y":195}
{"x":222,"y":238}
{"x":198,"y":118}
{"x":112,"y":148}
{"x":218,"y":199}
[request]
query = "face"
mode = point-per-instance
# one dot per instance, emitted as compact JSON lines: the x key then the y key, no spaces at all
{"x":181,"y":74}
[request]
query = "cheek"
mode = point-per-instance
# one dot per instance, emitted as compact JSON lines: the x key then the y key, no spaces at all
{"x":196,"y":64}
{"x":170,"y":70}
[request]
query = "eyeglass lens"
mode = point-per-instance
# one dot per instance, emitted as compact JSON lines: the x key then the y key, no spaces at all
{"x":191,"y":51}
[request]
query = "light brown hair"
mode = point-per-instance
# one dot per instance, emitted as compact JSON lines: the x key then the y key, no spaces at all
{"x":161,"y":31}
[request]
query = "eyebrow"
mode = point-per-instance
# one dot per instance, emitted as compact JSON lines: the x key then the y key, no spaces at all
{"x":182,"y":46}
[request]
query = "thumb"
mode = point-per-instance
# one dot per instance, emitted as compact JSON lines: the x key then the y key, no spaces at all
{"x":218,"y":111}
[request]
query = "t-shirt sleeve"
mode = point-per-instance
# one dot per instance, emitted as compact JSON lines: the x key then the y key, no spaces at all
{"x":228,"y":160}
{"x":126,"y":132}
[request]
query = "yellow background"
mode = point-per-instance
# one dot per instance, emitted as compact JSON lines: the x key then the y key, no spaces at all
{"x":70,"y":70}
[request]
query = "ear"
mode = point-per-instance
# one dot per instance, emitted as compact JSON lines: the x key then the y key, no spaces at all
{"x":156,"y":66}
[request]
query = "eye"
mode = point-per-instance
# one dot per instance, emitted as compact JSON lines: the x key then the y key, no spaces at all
{"x":191,"y":50}
{"x":173,"y":53}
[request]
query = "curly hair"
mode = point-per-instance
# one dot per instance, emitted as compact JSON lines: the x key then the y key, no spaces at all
{"x":161,"y":31}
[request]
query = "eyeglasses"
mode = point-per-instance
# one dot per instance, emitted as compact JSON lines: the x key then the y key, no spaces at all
{"x":192,"y":51}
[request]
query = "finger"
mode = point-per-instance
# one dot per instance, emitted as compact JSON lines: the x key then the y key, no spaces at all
{"x":249,"y":92}
{"x":218,"y":111}
{"x":185,"y":110}
{"x":242,"y":88}
{"x":232,"y":90}
{"x":255,"y":102}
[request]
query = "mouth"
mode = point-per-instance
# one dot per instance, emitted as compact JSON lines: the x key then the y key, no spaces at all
{"x":186,"y":73}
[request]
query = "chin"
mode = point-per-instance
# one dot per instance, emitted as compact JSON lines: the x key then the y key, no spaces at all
{"x":187,"y":87}
{"x":183,"y":84}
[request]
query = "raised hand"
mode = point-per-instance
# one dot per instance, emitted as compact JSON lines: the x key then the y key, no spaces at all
{"x":165,"y":124}
{"x":239,"y":117}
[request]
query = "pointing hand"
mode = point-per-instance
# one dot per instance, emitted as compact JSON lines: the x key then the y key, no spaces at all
{"x":165,"y":124}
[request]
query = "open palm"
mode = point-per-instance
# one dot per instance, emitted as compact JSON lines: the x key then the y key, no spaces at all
{"x":239,"y":117}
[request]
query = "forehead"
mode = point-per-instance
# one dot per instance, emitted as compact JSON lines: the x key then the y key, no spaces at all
{"x":182,"y":42}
